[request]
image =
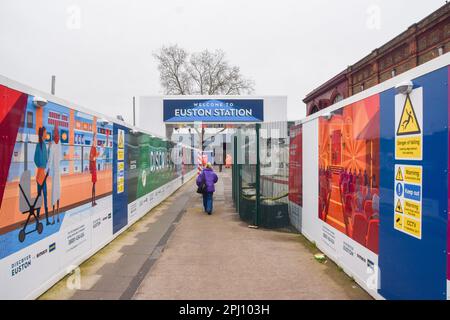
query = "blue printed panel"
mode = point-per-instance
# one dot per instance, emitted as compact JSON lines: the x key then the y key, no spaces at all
{"x":412,"y":268}
{"x":120,"y":196}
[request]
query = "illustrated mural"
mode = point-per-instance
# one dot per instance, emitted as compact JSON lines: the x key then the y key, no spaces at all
{"x":69,"y":181}
{"x":349,"y":144}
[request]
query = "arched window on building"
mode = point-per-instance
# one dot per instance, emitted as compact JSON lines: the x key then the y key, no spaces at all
{"x":324,"y":103}
{"x":314,"y":109}
{"x":338,"y":98}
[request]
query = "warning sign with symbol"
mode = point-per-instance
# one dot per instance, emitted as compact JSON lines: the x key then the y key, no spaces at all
{"x":399,"y":208}
{"x":398,"y":221}
{"x":399,"y":176}
{"x":409,"y":125}
{"x":408,"y":200}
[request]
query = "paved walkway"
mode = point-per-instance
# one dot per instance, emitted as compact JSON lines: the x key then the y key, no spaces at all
{"x":179,"y":252}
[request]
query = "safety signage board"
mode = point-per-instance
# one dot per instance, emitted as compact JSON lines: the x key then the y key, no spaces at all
{"x":408,"y":200}
{"x":409,"y":125}
{"x":120,"y":161}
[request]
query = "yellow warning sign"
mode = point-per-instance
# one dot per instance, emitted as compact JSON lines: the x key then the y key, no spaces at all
{"x":413,"y":174}
{"x":409,"y":147}
{"x":408,"y":212}
{"x":412,"y":227}
{"x":399,"y":176}
{"x":408,"y":121}
{"x":120,"y":139}
{"x":399,"y":208}
{"x":413,"y":209}
{"x":120,"y":154}
{"x":120,"y":185}
{"x":398,"y":221}
{"x":409,"y":126}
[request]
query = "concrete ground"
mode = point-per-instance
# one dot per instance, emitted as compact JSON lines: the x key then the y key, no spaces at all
{"x":179,"y":252}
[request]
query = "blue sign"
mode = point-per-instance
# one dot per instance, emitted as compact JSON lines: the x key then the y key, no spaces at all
{"x":413,"y":269}
{"x":399,"y":189}
{"x":120,"y":199}
{"x":225,"y":110}
{"x":412,"y":192}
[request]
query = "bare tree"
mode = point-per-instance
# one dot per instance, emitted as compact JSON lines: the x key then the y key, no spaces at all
{"x":204,"y":73}
{"x":172,"y":66}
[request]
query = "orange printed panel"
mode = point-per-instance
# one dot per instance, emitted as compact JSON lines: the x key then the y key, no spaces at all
{"x":349,"y":147}
{"x":72,"y":187}
{"x":76,"y":190}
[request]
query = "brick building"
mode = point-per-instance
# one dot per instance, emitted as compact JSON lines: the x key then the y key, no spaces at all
{"x":420,"y":43}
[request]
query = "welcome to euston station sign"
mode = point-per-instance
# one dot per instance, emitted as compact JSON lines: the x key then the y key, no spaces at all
{"x":224,"y":110}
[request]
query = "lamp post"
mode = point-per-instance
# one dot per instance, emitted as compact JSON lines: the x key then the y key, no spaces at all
{"x":134,"y":111}
{"x":53,"y":84}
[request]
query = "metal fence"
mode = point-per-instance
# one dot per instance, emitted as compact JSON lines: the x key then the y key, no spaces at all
{"x":260,"y":174}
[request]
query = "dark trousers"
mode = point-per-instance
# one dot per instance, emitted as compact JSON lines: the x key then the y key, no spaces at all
{"x":208,"y":201}
{"x":43,"y":190}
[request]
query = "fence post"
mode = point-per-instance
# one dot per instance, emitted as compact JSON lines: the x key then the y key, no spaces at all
{"x":234,"y":170}
{"x":239,"y":177}
{"x":258,"y":174}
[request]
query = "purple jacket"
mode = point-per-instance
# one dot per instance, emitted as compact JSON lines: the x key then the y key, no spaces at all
{"x":209,"y":177}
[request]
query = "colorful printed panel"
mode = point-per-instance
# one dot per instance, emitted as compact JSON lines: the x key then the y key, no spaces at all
{"x":349,"y":171}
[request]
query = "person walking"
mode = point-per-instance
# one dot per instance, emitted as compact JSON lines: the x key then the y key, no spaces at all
{"x":41,"y":160}
{"x":93,"y":154}
{"x":208,"y":177}
{"x":228,"y":161}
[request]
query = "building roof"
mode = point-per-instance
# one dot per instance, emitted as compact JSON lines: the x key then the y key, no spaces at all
{"x":332,"y":82}
{"x":434,"y":18}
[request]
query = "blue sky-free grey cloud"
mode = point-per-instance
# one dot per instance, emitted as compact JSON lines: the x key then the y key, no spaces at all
{"x":101,"y":51}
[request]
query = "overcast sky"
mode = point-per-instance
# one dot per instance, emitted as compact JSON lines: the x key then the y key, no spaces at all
{"x":101,"y":51}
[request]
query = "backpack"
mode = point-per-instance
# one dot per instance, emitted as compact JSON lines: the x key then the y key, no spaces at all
{"x":202,"y":188}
